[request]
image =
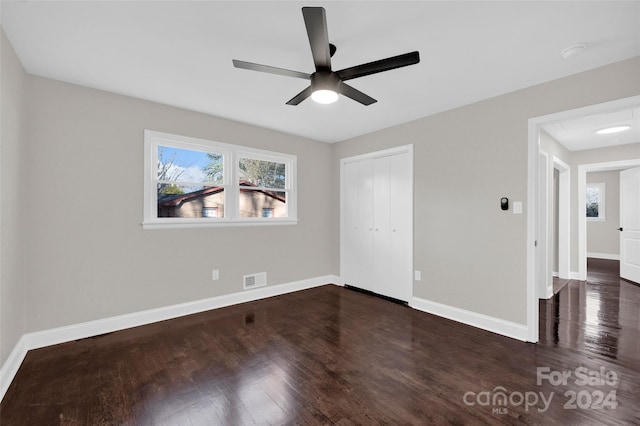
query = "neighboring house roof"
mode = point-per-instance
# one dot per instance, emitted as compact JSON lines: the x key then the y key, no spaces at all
{"x":173,"y":200}
{"x":271,"y":194}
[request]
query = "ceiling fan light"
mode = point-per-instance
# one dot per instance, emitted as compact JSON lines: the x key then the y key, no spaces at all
{"x":324,"y":96}
{"x":614,"y":129}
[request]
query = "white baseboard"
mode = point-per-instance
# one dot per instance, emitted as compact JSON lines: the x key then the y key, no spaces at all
{"x":11,"y":365}
{"x":107,"y":325}
{"x":606,"y":256}
{"x":575,"y":276}
{"x":83,"y":330}
{"x":549,"y":292}
{"x":485,"y":322}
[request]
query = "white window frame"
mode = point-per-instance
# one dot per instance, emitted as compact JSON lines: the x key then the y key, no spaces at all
{"x":231,"y":153}
{"x":601,"y":204}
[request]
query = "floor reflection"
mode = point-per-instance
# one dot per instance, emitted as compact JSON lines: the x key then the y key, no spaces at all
{"x":600,"y":316}
{"x":330,"y":355}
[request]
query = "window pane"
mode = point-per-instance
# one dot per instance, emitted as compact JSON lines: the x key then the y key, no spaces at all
{"x":209,"y":212}
{"x":593,"y":198}
{"x":593,"y":194}
{"x":184,"y":165}
{"x":266,"y":174}
{"x":190,"y":201}
{"x":255,"y":202}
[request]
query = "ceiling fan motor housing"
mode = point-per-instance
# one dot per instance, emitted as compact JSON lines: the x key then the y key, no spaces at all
{"x":325,"y":80}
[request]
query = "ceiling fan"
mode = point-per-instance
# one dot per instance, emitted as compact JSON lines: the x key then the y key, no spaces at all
{"x":326,"y":83}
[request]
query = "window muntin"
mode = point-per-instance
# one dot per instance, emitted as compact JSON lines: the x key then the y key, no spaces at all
{"x":187,"y":183}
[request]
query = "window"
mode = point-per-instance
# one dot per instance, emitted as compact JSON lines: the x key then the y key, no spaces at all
{"x":209,"y":212}
{"x":267,"y":212}
{"x":595,"y":201}
{"x":194,"y":182}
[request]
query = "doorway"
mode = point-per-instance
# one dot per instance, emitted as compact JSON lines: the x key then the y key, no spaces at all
{"x":583,"y":169}
{"x":563,"y":237}
{"x":574,"y":219}
{"x":553,"y":223}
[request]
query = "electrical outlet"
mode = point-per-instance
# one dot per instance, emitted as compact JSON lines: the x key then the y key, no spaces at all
{"x":215,"y":274}
{"x":417,"y":275}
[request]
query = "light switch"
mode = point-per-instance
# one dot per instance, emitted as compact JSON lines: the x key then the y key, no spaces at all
{"x":517,"y":207}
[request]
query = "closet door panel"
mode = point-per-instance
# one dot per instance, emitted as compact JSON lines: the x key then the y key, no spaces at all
{"x":381,"y":231}
{"x":400,"y":222}
{"x":365,"y":225}
{"x":350,"y":235}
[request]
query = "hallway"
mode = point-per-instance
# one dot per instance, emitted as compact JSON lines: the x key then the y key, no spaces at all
{"x":599,"y":316}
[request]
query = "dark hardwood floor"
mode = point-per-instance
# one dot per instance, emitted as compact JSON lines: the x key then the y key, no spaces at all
{"x":558,"y":284}
{"x":329,"y":355}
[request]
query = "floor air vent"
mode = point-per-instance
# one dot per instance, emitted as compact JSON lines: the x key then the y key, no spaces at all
{"x":254,"y":280}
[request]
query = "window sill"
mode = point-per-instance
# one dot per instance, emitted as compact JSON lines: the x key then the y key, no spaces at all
{"x":220,"y":223}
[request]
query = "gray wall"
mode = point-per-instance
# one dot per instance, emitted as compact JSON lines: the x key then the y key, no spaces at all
{"x":553,"y":148}
{"x":603,"y":235}
{"x":86,"y":256}
{"x":12,"y":280}
{"x":473,"y":255}
{"x":89,"y":257}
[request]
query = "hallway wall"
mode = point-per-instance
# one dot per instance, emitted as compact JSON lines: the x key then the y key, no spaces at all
{"x":603,"y":239}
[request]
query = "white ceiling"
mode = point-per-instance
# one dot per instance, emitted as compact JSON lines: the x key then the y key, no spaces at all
{"x":580,"y":133}
{"x":179,"y":53}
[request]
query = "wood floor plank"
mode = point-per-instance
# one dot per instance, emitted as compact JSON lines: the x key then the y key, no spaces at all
{"x":333,"y":356}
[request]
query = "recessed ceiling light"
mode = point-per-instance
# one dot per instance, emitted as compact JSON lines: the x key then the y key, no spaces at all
{"x":572,"y":51}
{"x":614,"y":129}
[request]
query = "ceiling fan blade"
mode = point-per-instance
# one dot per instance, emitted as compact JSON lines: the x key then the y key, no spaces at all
{"x":379,"y":66}
{"x":355,"y":94}
{"x":271,"y":70}
{"x":300,"y":96}
{"x":316,"y":22}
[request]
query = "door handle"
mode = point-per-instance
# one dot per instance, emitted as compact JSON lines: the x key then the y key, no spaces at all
{"x":620,"y":229}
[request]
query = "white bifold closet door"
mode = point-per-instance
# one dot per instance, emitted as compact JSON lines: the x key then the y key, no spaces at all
{"x":377,"y":232}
